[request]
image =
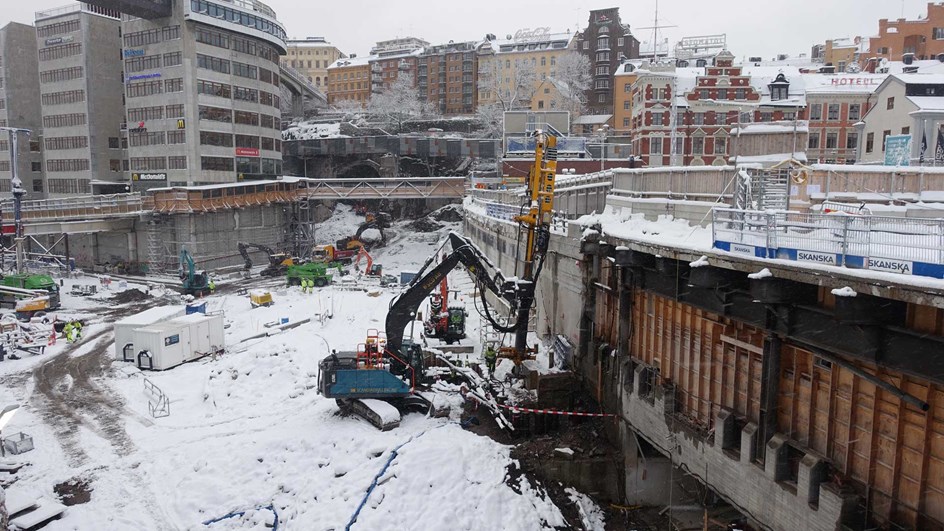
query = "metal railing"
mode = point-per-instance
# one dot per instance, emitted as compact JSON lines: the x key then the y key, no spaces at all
{"x":911,"y":246}
{"x":158,"y":402}
{"x":303,"y":81}
{"x":81,"y":207}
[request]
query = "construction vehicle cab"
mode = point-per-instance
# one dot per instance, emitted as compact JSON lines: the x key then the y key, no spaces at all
{"x":330,"y":253}
{"x":27,"y":281}
{"x":194,"y":282}
{"x":373,"y":270}
{"x":278,"y":262}
{"x":317,"y":272}
{"x":27,"y":308}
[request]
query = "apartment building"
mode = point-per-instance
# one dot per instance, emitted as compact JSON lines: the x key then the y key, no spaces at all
{"x":905,"y":105}
{"x":514,"y":70}
{"x":202,"y":91}
{"x":923,"y":38}
{"x":349,"y":81}
{"x":447,"y":77}
{"x":607,"y":43}
{"x":395,"y":58}
{"x":835,"y":103}
{"x":20,"y":107}
{"x":311,"y":57}
{"x":80,"y":90}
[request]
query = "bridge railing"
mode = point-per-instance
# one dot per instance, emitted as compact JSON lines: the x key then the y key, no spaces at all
{"x":82,"y":207}
{"x":382,"y":188}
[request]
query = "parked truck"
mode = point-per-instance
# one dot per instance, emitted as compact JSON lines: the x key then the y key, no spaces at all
{"x":34,"y":283}
{"x":319,"y":273}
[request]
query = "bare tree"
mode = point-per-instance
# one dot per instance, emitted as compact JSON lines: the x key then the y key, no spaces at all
{"x":350,"y":110}
{"x":491,"y":117}
{"x":510,"y":87}
{"x":397,"y":103}
{"x":572,"y":79}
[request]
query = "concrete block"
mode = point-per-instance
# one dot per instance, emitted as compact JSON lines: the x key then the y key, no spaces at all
{"x":775,"y":463}
{"x":639,"y":381}
{"x":811,"y":473}
{"x":748,"y":442}
{"x":725,"y":435}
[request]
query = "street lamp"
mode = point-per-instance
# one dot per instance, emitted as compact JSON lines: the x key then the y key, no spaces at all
{"x":18,"y":193}
{"x":602,"y":131}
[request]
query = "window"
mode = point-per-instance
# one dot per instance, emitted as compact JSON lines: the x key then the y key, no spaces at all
{"x":722,"y":94}
{"x":885,"y":135}
{"x":766,"y":116}
{"x":268,"y":144}
{"x":816,"y":112}
{"x":59,"y":28}
{"x":173,"y":59}
{"x":244,"y":70}
{"x":852,"y":140}
{"x":832,"y":112}
{"x":603,"y":43}
{"x":148,"y":163}
{"x":139,"y":64}
{"x":703,"y":94}
{"x":177,"y":137}
{"x":937,"y":34}
{"x":247,"y":165}
{"x":213,"y":38}
{"x":177,"y":163}
{"x":175,"y":111}
{"x":245,"y":46}
{"x":220,"y":90}
{"x":890,"y":104}
{"x":114,"y":142}
{"x":854,"y":111}
{"x":213,"y":63}
{"x":64,"y":120}
{"x":63,"y":98}
{"x":56,"y":165}
{"x":215,"y":114}
{"x":66,"y":142}
{"x":216,"y":163}
{"x":626,"y":105}
{"x":602,"y":56}
{"x":246,"y":94}
{"x":268,"y":121}
{"x":144,"y":88}
{"x":657,"y":118}
{"x":832,"y":140}
{"x":603,"y":70}
{"x":61,"y":74}
{"x":586,"y":46}
{"x":237,"y":17}
{"x":905,"y":130}
{"x":246,"y":118}
{"x":247,"y":141}
{"x":698,"y":118}
{"x":625,"y":122}
{"x":59,"y":52}
{"x":869,"y":142}
{"x":152,"y":36}
{"x":698,"y":145}
{"x":620,"y":42}
{"x":721,"y":145}
{"x":209,"y":138}
{"x":740,"y":94}
{"x":814,"y":140}
{"x":146,"y":139}
{"x":655,"y":145}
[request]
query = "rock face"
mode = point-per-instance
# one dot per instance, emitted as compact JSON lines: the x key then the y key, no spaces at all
{"x":448,"y":214}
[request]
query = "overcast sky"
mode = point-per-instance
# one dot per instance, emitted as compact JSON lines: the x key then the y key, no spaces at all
{"x":752,"y":27}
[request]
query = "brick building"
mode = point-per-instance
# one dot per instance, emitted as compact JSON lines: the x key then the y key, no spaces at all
{"x":835,"y":103}
{"x":394,"y":58}
{"x":447,"y":77}
{"x":606,"y":42}
{"x":349,"y":80}
{"x":923,"y":37}
{"x":841,"y":53}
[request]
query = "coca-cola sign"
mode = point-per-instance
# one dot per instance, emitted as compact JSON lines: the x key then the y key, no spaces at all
{"x":528,"y":34}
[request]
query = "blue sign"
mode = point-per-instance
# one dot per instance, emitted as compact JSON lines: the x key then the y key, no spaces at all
{"x":144,"y":76}
{"x":897,"y":150}
{"x":134,"y":53}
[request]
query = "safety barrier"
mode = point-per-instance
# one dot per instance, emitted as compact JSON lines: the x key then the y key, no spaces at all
{"x":158,"y":402}
{"x":908,"y":246}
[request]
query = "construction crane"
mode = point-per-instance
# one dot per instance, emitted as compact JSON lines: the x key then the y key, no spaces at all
{"x":278,"y":262}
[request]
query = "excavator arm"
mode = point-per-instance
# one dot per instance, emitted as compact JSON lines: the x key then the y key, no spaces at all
{"x":275,"y":259}
{"x":404,"y":307}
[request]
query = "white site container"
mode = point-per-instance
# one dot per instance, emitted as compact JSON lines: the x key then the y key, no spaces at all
{"x":124,"y":329}
{"x":177,"y":341}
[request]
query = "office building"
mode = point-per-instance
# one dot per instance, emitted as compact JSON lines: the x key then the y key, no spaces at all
{"x":19,"y":107}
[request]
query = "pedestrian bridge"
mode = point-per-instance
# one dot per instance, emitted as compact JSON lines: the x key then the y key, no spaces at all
{"x":105,"y":212}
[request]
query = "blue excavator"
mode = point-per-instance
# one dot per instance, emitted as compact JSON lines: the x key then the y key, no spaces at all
{"x":194,"y":283}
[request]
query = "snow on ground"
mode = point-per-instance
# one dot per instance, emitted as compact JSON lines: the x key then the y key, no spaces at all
{"x":312,"y":131}
{"x":249,"y":429}
{"x":590,"y":512}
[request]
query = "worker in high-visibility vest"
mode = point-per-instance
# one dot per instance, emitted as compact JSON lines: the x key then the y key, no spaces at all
{"x":491,"y":358}
{"x":69,"y":330}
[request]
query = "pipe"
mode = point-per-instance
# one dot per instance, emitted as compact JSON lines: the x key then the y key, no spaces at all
{"x":911,"y":399}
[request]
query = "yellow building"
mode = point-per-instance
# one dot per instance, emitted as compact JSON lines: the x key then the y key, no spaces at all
{"x":311,"y":57}
{"x":515,"y":70}
{"x":623,"y":80}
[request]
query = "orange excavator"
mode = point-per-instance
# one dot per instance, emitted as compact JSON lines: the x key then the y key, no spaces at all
{"x":373,"y":270}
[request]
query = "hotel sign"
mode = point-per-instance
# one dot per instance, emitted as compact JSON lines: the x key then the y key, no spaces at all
{"x":855,"y":81}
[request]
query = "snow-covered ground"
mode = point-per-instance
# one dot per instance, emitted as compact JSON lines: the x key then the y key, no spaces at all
{"x":248,"y":429}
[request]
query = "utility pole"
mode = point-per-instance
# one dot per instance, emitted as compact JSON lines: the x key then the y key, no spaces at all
{"x":18,"y":193}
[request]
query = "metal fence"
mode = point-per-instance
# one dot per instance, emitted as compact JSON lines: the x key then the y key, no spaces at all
{"x":911,"y":246}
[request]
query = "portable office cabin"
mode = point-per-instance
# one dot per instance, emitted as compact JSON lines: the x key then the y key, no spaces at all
{"x":165,"y":345}
{"x":124,"y":329}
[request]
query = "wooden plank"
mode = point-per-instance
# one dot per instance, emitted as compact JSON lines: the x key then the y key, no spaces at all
{"x":742,"y":344}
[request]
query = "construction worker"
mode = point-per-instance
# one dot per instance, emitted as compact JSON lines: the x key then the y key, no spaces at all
{"x":491,"y":357}
{"x":305,"y":285}
{"x":211,"y":285}
{"x":77,"y":330}
{"x":69,"y":331}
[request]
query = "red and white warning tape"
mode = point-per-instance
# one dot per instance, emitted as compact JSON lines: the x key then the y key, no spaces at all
{"x":515,"y":409}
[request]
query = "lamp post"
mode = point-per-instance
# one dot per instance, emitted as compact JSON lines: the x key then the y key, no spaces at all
{"x":603,"y":132}
{"x":18,"y":193}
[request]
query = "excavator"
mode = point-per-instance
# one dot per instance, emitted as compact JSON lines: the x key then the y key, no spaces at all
{"x":373,"y":270}
{"x":278,"y":262}
{"x":445,"y":323}
{"x":194,"y":283}
{"x":379,"y":379}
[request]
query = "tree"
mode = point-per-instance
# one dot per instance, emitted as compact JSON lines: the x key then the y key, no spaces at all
{"x":510,"y":87}
{"x":572,"y":79}
{"x":350,"y":110}
{"x":397,"y":103}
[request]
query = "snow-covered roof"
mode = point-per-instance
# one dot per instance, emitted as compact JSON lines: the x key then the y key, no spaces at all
{"x":497,"y":44}
{"x":862,"y":83}
{"x":921,"y":79}
{"x":923,"y":66}
{"x":352,"y":61}
{"x":761,"y":76}
{"x":593,"y":119}
{"x":800,"y":126}
{"x":928,"y":103}
{"x":802,"y":61}
{"x":771,"y":158}
{"x":860,"y":44}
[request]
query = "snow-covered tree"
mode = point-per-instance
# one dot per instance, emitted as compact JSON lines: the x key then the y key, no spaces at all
{"x":510,"y":87}
{"x":397,"y":103}
{"x":349,"y":110}
{"x":572,"y":79}
{"x":490,"y":117}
